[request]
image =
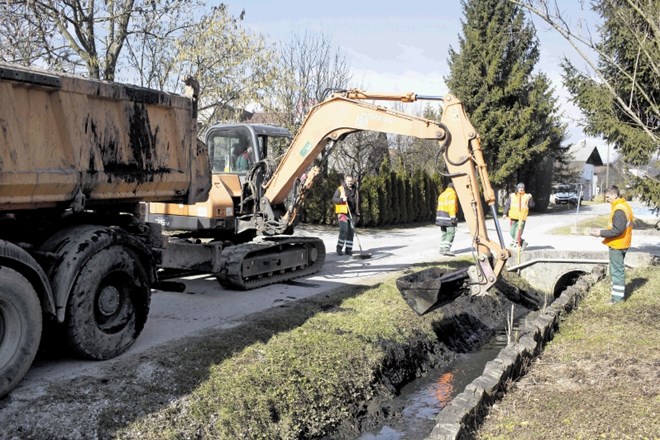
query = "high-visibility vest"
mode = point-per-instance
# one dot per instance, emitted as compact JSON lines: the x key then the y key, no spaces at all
{"x":448,"y":202}
{"x":342,"y":207}
{"x":622,"y":241}
{"x":519,"y":206}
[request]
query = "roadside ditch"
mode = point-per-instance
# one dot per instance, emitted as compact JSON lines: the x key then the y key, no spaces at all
{"x":492,"y":341}
{"x":467,"y":332}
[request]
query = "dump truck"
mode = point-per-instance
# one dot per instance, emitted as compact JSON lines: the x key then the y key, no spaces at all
{"x":78,"y":160}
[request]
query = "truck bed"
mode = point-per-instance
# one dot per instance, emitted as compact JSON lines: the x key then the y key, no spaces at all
{"x":67,"y":141}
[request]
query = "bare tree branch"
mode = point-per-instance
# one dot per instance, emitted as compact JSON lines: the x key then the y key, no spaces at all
{"x":558,"y":22}
{"x":73,"y":33}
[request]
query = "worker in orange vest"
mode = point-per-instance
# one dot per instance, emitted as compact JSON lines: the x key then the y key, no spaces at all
{"x":445,"y":217}
{"x":517,"y":209}
{"x":347,"y":207}
{"x":617,"y":237}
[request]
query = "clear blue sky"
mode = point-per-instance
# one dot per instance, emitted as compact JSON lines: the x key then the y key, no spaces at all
{"x":399,"y":46}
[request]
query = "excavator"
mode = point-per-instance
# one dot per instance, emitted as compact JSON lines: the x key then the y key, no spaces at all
{"x":243,"y":233}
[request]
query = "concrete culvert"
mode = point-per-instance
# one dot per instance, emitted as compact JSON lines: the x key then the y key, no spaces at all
{"x":566,"y":280}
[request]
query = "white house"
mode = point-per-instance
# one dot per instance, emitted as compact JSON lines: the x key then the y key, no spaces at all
{"x":585,"y":157}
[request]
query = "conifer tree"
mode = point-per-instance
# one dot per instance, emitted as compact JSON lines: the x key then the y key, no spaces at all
{"x":511,"y":107}
{"x":622,"y":102}
{"x":387,"y":202}
{"x":399,"y":199}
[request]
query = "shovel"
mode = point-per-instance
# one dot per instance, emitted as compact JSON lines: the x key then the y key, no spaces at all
{"x":361,"y":255}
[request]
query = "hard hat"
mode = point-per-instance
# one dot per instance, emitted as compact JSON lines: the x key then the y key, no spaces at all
{"x":520,"y":186}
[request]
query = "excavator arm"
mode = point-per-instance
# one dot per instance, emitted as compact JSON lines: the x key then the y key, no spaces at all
{"x":347,"y":112}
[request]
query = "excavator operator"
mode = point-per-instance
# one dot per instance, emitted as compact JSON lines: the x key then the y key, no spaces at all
{"x":243,"y":157}
{"x":239,"y":157}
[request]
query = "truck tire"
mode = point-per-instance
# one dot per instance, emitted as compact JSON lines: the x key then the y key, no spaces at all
{"x":108,"y":304}
{"x":20,"y":327}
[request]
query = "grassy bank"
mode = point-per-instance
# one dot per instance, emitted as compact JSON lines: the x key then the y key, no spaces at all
{"x":598,"y":378}
{"x":298,"y":383}
{"x":310,"y":379}
{"x":601,"y":223}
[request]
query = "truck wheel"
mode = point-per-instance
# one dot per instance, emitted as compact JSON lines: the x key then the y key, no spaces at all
{"x":108,"y":305}
{"x":20,"y":327}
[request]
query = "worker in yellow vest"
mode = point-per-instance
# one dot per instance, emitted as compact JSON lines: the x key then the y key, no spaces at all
{"x":617,"y":237}
{"x":347,"y":207}
{"x":517,"y":209}
{"x":445,"y":217}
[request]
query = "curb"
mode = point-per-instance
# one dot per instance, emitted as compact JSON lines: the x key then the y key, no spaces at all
{"x":466,"y":410}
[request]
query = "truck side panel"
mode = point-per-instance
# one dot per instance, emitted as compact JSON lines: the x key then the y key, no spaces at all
{"x":63,"y":137}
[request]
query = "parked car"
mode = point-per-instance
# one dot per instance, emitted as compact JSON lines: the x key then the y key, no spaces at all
{"x":566,"y":194}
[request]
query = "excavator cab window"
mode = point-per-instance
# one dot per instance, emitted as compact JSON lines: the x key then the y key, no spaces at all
{"x":231,"y":150}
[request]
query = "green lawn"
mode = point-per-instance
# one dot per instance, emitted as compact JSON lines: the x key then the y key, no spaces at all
{"x":598,"y":379}
{"x":599,"y":222}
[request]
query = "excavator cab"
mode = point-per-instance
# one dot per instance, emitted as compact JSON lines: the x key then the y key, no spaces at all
{"x":233,"y":150}
{"x":236,"y":148}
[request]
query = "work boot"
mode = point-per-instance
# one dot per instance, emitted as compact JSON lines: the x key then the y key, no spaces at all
{"x":449,"y":254}
{"x":349,"y":251}
{"x":339,"y":251}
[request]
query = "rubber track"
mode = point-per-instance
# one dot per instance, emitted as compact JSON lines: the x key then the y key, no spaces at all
{"x":234,"y":256}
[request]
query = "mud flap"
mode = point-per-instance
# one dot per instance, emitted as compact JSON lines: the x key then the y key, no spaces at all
{"x":429,"y":289}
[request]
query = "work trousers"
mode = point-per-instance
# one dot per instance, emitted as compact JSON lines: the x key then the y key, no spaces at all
{"x":617,"y":274}
{"x":448,"y":234}
{"x":516,"y":228}
{"x":345,"y":236}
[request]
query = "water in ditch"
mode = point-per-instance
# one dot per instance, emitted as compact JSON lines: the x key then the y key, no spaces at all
{"x":420,"y":401}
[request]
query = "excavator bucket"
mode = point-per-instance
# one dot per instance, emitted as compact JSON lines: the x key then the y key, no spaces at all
{"x":429,"y":289}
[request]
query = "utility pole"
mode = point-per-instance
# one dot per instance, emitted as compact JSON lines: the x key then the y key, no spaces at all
{"x":607,"y":168}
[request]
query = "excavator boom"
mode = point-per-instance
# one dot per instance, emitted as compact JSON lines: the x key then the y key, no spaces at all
{"x":347,"y":112}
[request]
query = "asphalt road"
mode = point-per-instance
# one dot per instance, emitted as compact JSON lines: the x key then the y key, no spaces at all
{"x":204,"y":304}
